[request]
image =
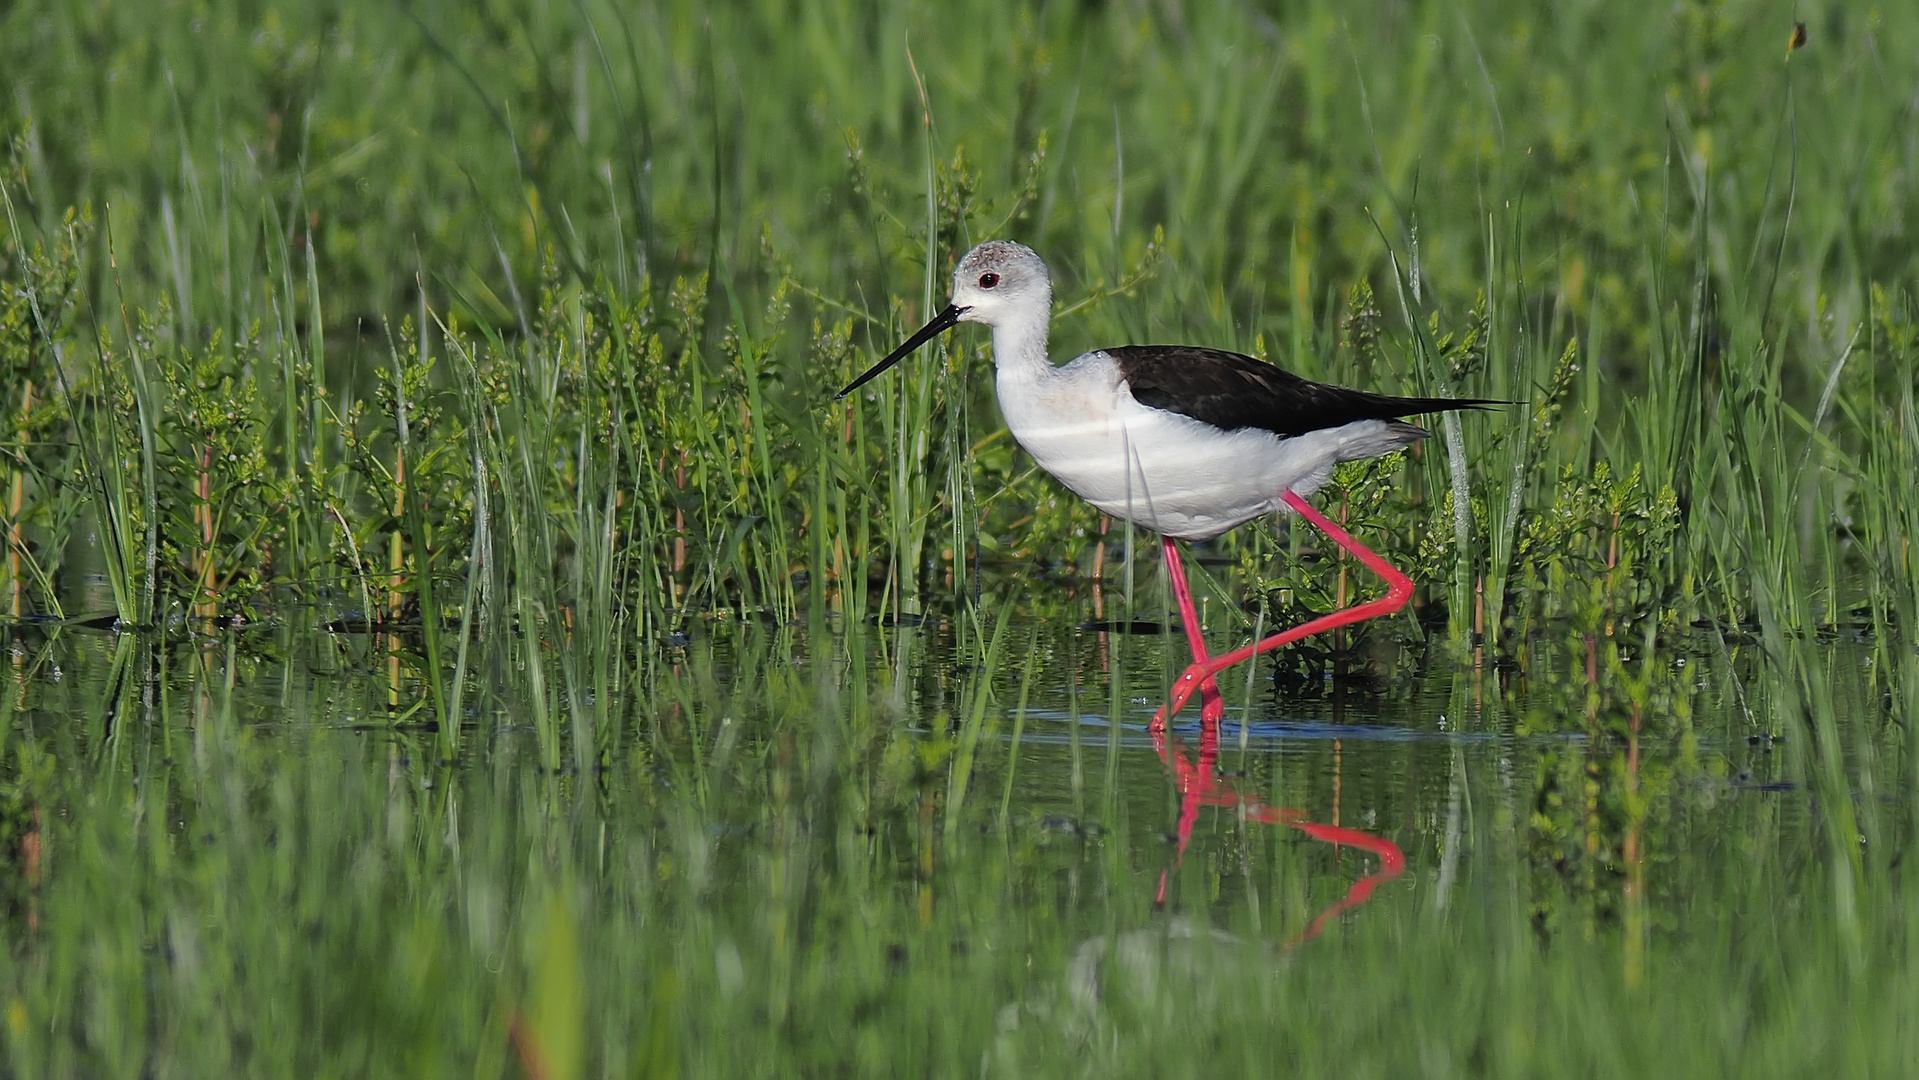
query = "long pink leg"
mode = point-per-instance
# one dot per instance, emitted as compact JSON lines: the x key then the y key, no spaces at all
{"x":1211,"y":708}
{"x":1399,"y":589}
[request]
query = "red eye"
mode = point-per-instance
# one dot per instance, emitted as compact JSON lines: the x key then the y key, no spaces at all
{"x":987,"y":281}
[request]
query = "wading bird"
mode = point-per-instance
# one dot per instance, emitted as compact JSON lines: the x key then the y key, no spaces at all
{"x":1185,"y":441}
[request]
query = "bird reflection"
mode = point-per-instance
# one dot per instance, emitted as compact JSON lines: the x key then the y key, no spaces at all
{"x":1200,"y":784}
{"x":1173,"y":952}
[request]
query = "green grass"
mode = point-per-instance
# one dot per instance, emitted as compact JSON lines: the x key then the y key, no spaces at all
{"x":476,"y":362}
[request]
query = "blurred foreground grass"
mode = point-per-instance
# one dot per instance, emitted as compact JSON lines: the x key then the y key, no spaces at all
{"x":261,"y":878}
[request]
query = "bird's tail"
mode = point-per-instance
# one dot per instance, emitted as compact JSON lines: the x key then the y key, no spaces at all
{"x":1380,"y":437}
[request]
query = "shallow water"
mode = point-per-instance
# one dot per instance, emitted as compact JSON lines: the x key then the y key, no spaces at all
{"x":222,"y":857}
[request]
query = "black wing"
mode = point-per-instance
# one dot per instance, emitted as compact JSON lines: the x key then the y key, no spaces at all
{"x":1231,"y":391}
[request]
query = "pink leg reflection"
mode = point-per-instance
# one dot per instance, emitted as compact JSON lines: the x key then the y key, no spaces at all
{"x":1199,"y":785}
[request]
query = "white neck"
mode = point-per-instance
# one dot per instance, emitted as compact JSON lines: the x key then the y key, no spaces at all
{"x":1019,"y":346}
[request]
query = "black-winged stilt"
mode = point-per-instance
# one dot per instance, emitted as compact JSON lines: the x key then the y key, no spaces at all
{"x":1185,"y":441}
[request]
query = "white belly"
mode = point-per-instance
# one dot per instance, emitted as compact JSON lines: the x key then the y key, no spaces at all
{"x":1160,"y":470}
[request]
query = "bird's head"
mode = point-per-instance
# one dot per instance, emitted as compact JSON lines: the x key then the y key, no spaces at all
{"x":997,"y":283}
{"x":1001,"y":279}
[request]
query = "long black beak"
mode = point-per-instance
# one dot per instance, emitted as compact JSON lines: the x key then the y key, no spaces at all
{"x":941,"y":323}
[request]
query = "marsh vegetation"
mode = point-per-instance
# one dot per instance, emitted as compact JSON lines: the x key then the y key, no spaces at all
{"x":453,"y":630}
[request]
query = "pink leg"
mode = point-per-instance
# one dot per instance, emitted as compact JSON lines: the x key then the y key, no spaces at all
{"x":1211,"y":708}
{"x":1399,"y":589}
